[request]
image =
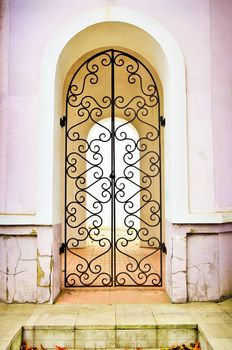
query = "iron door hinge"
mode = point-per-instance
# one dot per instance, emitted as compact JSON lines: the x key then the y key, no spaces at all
{"x":62,"y":248}
{"x":162,"y":121}
{"x":63,"y":121}
{"x":163,"y":248}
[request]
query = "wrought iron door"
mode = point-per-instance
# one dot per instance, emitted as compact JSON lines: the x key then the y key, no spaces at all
{"x":113,"y":226}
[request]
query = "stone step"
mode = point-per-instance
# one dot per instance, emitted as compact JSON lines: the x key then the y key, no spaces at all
{"x":110,"y":338}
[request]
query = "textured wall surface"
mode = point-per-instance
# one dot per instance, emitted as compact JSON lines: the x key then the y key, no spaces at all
{"x":198,"y":262}
{"x":30,"y":264}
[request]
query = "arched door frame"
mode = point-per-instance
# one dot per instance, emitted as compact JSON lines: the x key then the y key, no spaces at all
{"x":171,"y":71}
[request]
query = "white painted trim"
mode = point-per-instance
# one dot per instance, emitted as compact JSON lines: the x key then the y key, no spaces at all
{"x":200,"y":218}
{"x":176,"y":183}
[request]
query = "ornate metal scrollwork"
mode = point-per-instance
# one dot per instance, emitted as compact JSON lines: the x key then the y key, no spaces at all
{"x":115,"y":86}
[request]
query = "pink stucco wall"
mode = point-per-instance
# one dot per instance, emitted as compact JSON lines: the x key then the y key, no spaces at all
{"x":203,"y":31}
{"x":221,"y":31}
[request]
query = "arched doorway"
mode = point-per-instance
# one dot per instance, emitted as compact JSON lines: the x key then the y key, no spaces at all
{"x":123,"y":188}
{"x":152,"y":41}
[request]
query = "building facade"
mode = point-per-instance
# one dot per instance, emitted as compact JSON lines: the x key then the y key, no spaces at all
{"x":187,"y":45}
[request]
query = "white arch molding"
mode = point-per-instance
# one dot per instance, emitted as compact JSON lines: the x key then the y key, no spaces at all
{"x":166,"y":57}
{"x":163,"y":53}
